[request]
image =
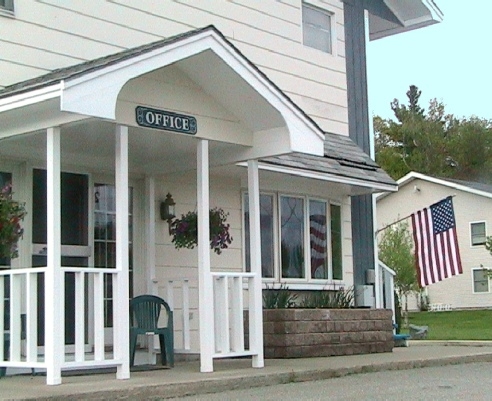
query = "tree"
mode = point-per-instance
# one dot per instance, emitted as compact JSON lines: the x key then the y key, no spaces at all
{"x":395,"y":250}
{"x":433,"y":142}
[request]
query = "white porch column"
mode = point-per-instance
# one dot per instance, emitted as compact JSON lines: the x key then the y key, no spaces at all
{"x":122,"y":320}
{"x":256,"y":299}
{"x":150,"y":234}
{"x":205,"y":290}
{"x":54,"y":339}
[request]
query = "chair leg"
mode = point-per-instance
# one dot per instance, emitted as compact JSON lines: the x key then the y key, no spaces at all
{"x":170,"y":349}
{"x":133,"y":346}
{"x":162,"y":343}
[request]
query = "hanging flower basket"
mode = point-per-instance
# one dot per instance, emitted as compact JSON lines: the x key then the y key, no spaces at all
{"x":11,"y":214}
{"x":184,"y":231}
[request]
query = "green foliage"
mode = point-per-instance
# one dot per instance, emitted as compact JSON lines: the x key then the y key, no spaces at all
{"x":455,"y":325}
{"x":184,"y":231}
{"x":11,"y":215}
{"x":339,"y":299}
{"x":433,"y":142}
{"x":278,"y":298}
{"x":488,"y":247}
{"x":395,"y":250}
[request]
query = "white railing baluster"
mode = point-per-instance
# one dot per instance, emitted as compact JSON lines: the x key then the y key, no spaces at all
{"x":79,"y":316}
{"x":15,"y":317}
{"x":2,"y":315}
{"x":99,"y":316}
{"x":226,"y":336}
{"x":31,"y":317}
{"x":217,"y":314}
{"x":186,"y":315}
{"x":237,"y":323}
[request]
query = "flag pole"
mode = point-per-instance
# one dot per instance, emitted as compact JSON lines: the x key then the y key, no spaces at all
{"x":400,"y":220}
{"x":392,"y":224}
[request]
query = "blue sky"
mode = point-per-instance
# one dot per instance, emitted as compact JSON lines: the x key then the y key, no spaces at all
{"x":450,"y":61}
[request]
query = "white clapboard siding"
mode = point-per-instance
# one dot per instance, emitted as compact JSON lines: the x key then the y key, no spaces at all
{"x":49,"y":34}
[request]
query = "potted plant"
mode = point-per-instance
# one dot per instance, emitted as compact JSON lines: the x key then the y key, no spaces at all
{"x":184,"y":230}
{"x":11,"y":215}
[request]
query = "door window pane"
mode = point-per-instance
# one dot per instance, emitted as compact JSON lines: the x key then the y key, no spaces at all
{"x":266,"y":227}
{"x":105,"y":241}
{"x":292,"y":237}
{"x":336,"y":242}
{"x":318,"y":240}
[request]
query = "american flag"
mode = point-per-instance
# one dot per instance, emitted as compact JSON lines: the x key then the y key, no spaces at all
{"x":436,"y":243}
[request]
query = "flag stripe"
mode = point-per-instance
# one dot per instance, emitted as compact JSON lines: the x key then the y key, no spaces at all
{"x":437,"y":255}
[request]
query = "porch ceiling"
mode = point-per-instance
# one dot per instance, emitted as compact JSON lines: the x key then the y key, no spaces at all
{"x":263,"y":117}
{"x":90,"y":145}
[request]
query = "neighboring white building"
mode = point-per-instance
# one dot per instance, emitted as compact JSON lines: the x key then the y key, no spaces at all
{"x":108,"y":106}
{"x":472,"y":203}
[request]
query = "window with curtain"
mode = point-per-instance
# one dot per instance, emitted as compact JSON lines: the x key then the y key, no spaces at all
{"x":478,"y":233}
{"x":480,"y":280}
{"x":7,"y":5}
{"x":316,"y":28}
{"x":301,"y":234}
{"x":267,"y":239}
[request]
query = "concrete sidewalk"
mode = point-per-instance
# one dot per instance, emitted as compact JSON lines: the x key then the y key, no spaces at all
{"x":185,"y":378}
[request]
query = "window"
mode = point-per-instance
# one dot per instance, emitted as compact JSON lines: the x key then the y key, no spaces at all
{"x":480,"y":280}
{"x":478,"y":234}
{"x":301,"y":238}
{"x":105,"y":240}
{"x":267,"y":240}
{"x":292,"y":237}
{"x":316,"y":28}
{"x":336,"y":242}
{"x":7,"y":5}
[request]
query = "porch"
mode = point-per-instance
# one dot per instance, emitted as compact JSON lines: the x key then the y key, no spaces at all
{"x":185,"y":378}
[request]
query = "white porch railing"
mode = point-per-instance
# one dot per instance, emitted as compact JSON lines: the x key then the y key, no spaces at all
{"x":177,"y":295}
{"x":20,"y":334}
{"x":387,"y":287}
{"x":89,"y":316}
{"x":229,"y":289}
{"x":88,"y":325}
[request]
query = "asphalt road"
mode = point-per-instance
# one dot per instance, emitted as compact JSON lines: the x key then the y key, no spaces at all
{"x":457,"y":382}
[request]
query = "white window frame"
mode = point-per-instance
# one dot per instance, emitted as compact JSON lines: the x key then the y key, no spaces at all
{"x":473,"y":281}
{"x":317,"y":6}
{"x":297,"y":283}
{"x":7,"y":8}
{"x":471,"y":232}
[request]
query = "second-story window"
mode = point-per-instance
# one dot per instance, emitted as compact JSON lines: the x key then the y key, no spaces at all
{"x":478,"y":233}
{"x":316,"y":28}
{"x":7,"y":5}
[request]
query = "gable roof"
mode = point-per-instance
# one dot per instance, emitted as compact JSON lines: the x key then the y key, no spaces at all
{"x":342,"y":159}
{"x":91,"y":89}
{"x":472,"y":187}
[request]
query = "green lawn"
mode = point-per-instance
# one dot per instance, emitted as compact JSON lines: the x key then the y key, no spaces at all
{"x":455,"y":325}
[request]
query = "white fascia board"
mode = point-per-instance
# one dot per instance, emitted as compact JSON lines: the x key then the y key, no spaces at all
{"x":433,"y":16}
{"x":324,"y":177}
{"x":107,"y":82}
{"x":405,"y":180}
{"x":32,"y":97}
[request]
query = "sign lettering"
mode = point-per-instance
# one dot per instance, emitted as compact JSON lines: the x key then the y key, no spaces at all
{"x":165,"y":120}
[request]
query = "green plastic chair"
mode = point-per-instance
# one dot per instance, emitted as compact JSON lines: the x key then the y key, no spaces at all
{"x":144,"y":318}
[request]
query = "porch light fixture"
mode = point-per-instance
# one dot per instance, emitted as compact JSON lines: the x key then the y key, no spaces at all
{"x":168,"y":211}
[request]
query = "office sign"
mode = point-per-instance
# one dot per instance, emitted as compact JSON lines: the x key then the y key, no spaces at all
{"x":165,"y":120}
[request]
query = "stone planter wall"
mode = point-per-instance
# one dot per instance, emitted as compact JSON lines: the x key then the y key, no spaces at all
{"x":301,"y":333}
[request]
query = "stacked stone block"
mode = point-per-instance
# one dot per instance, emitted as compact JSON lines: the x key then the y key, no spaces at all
{"x":301,"y":333}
